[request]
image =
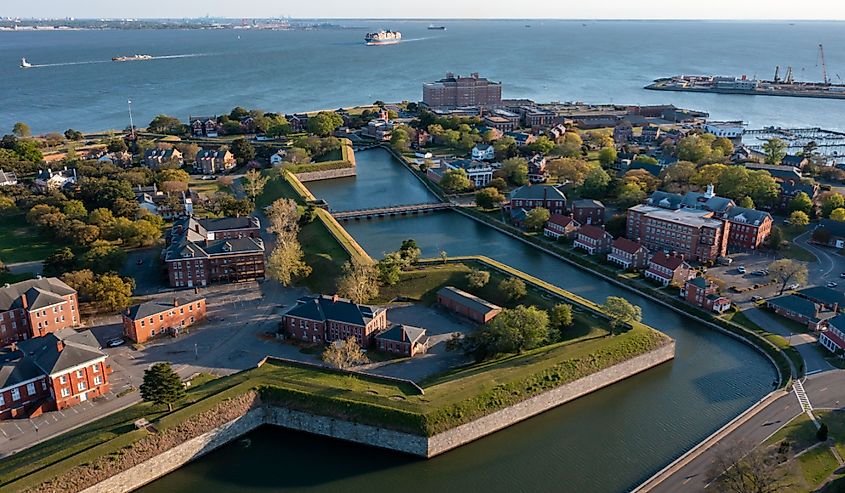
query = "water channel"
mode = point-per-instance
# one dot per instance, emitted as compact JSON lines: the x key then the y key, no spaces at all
{"x":608,"y":441}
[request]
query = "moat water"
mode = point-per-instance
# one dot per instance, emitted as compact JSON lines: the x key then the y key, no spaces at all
{"x":608,"y":441}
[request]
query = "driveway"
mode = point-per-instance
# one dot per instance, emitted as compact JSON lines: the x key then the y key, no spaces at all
{"x":806,"y":344}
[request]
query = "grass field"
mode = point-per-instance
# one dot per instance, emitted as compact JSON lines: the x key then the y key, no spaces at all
{"x":20,"y":242}
{"x":779,"y":341}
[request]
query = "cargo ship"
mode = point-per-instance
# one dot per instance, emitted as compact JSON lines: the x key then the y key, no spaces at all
{"x":383,"y":38}
{"x":25,"y":64}
{"x":132,"y":58}
{"x":432,"y":27}
{"x":777,"y":86}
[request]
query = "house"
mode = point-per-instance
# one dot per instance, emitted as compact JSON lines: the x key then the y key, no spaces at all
{"x":402,"y":339}
{"x":48,"y":180}
{"x":830,"y":299}
{"x":478,"y":172}
{"x":668,"y":269}
{"x":560,"y":226}
{"x":789,"y":189}
{"x":323,"y":319}
{"x":703,"y":294}
{"x":156,"y":318}
{"x":833,"y":339}
{"x":830,"y":233}
{"x":166,"y":205}
{"x":51,"y":373}
{"x":211,"y":162}
{"x":8,"y":178}
{"x":203,"y":126}
{"x":117,"y":158}
{"x":379,"y":129}
{"x":483,"y":152}
{"x":467,"y":305}
{"x":728,"y":130}
{"x":628,"y":254}
{"x":795,"y":161}
{"x":623,"y":132}
{"x":778,"y":172}
{"x":36,"y":307}
{"x":200,"y":252}
{"x":537,"y":169}
{"x":800,"y":310}
{"x":521,"y":138}
{"x":588,"y":211}
{"x":278,"y":157}
{"x":650,"y":133}
{"x":156,"y":158}
{"x":556,"y":131}
{"x":298,"y":121}
{"x":549,"y":197}
{"x":593,"y":239}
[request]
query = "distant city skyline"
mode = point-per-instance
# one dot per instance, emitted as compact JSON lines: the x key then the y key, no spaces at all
{"x":446,"y":9}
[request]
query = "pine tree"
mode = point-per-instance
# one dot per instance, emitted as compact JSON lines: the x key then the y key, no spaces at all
{"x":162,"y":385}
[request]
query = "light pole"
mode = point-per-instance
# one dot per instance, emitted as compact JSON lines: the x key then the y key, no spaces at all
{"x":131,"y":124}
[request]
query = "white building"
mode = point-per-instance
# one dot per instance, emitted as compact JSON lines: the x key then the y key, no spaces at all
{"x":277,"y":158}
{"x":479,"y":173}
{"x":49,"y":180}
{"x":483,"y":152}
{"x":730,"y":130}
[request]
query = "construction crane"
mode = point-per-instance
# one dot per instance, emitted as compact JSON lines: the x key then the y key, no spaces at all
{"x":789,"y":78}
{"x":824,"y":65}
{"x":777,"y":73}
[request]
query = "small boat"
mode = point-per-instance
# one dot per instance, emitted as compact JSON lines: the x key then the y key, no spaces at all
{"x":25,"y":64}
{"x":383,"y":38}
{"x":432,"y":27}
{"x":131,"y":58}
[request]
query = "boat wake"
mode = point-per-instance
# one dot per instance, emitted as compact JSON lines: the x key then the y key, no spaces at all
{"x":90,"y":62}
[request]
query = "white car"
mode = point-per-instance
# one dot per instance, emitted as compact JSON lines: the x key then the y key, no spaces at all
{"x":832,"y":284}
{"x":741,"y":269}
{"x":792,"y":286}
{"x":115,"y":342}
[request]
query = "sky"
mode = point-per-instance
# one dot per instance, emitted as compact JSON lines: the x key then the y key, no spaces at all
{"x":426,"y":9}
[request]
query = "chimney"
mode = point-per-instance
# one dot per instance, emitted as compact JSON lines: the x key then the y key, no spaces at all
{"x":24,"y":301}
{"x":404,"y":336}
{"x":175,"y":301}
{"x":59,"y":345}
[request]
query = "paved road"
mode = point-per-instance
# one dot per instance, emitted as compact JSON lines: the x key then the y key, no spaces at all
{"x":34,"y":267}
{"x":830,"y":264}
{"x":806,"y":344}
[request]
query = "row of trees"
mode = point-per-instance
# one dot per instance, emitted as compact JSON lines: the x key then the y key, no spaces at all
{"x":287,"y":260}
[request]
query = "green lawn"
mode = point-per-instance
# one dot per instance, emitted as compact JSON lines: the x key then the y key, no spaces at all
{"x":325,"y":256}
{"x":792,"y":250}
{"x":779,"y":341}
{"x":20,"y":242}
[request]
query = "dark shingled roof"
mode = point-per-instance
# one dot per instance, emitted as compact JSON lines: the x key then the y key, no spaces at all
{"x":539,"y":192}
{"x":587,"y":204}
{"x":15,"y":369}
{"x":823,"y":295}
{"x":41,"y":291}
{"x":324,"y":308}
{"x":796,"y":304}
{"x":411,"y":334}
{"x":747,"y":216}
{"x":152,"y":308}
{"x":469,"y":300}
{"x":79,"y":349}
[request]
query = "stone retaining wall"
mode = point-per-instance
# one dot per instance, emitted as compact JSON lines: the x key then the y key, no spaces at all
{"x":326,"y":174}
{"x":498,"y":420}
{"x":180,"y":455}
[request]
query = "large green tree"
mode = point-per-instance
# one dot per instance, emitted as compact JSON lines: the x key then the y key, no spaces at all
{"x":621,"y":312}
{"x":775,"y":150}
{"x":324,"y":123}
{"x":162,"y":386}
{"x":455,"y":180}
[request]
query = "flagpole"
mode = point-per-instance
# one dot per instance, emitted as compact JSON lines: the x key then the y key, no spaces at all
{"x":131,"y":124}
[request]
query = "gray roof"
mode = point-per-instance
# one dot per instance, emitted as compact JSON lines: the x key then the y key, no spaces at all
{"x":469,"y":300}
{"x":36,"y":290}
{"x":192,"y":242}
{"x":587,"y":203}
{"x":747,"y":216}
{"x":323,"y":308}
{"x":797,"y":304}
{"x":41,"y":356}
{"x":777,"y":171}
{"x":838,"y":322}
{"x":151,"y":308}
{"x":713,"y":203}
{"x":15,"y":369}
{"x":539,"y":192}
{"x":224,"y":223}
{"x":665,"y":200}
{"x":823,"y":295}
{"x":403,"y":333}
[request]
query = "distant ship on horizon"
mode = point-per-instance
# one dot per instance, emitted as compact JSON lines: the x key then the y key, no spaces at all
{"x":131,"y":58}
{"x":383,"y":38}
{"x":432,"y":27}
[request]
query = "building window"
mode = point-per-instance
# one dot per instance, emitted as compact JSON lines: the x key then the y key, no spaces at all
{"x":95,"y":368}
{"x":80,"y":386}
{"x":79,"y":374}
{"x":16,"y":394}
{"x":98,"y":380}
{"x":2,"y":400}
{"x":65,"y":391}
{"x":30,"y":389}
{"x":63,"y":379}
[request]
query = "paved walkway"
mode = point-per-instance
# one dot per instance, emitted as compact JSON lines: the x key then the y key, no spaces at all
{"x":830,"y":264}
{"x":806,"y":344}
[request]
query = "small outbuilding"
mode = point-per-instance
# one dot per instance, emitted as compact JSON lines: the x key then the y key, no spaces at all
{"x":467,"y":305}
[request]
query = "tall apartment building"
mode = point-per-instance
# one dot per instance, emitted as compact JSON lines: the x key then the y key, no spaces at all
{"x":693,"y":233}
{"x":205,"y":251}
{"x":36,"y":307}
{"x":456,"y":91}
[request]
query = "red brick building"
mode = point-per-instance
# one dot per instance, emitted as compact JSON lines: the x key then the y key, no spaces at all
{"x":628,"y":254}
{"x":691,"y":232}
{"x":467,"y":305}
{"x":549,"y":197}
{"x":588,"y":211}
{"x":456,"y":91}
{"x":36,"y":307}
{"x":593,"y":239}
{"x":206,"y":251}
{"x":51,"y":373}
{"x":329,"y":318}
{"x":560,"y":226}
{"x":749,"y":228}
{"x":703,"y":294}
{"x":668,"y":269}
{"x":402,"y":339}
{"x":801,"y":310}
{"x":155,"y":318}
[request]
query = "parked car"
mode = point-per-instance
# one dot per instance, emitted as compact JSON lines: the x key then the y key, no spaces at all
{"x":725,"y":260}
{"x":832,"y":284}
{"x":756,"y":298}
{"x":118,"y":341}
{"x":792,"y":286}
{"x":741,"y":269}
{"x":761,"y":273}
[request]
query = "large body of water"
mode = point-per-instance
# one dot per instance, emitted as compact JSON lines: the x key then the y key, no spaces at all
{"x":608,"y":441}
{"x":215,"y":70}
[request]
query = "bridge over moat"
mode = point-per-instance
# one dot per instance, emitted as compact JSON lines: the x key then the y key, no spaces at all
{"x":396,"y":210}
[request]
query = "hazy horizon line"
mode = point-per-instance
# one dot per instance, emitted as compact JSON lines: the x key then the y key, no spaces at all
{"x":515,"y":19}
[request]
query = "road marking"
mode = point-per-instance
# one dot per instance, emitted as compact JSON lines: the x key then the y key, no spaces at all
{"x":4,"y":432}
{"x":19,"y":428}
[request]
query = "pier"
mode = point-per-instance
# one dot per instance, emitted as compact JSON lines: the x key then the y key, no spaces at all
{"x":398,"y":210}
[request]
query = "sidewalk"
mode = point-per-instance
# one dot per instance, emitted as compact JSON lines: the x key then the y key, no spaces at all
{"x":805,"y":343}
